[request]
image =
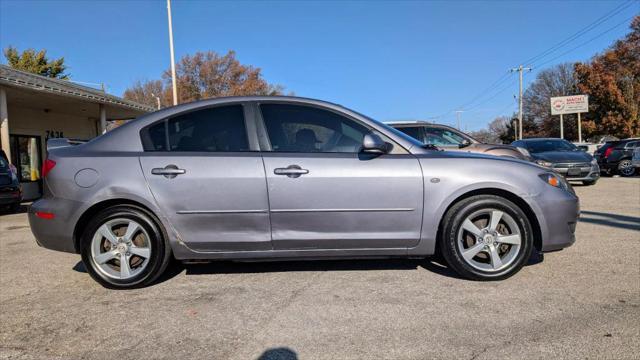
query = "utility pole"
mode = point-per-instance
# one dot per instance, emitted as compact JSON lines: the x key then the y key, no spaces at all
{"x":173,"y":61}
{"x":458,"y":112}
{"x":520,"y":69}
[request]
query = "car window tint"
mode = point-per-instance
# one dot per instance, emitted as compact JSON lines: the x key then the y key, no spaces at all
{"x":412,"y":131}
{"x":295,"y":128}
{"x":441,"y":137}
{"x":155,"y":137}
{"x":219,"y":129}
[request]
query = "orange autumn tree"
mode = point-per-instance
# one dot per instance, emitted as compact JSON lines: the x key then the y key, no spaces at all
{"x":204,"y":75}
{"x":612,"y":81}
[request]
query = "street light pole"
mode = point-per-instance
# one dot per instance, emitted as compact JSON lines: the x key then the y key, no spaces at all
{"x":520,"y":69}
{"x":173,"y":61}
{"x":458,"y":112}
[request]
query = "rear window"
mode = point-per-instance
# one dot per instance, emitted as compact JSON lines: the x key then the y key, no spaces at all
{"x":219,"y":129}
{"x":412,"y":131}
{"x":3,"y":164}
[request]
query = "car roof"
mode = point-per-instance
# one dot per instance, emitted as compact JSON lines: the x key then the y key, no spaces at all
{"x":540,"y":139}
{"x":418,"y":122}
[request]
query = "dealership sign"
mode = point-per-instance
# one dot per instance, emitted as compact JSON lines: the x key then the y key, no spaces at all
{"x":569,"y":104}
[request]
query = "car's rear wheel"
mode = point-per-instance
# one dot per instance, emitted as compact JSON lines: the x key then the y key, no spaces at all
{"x":124,"y":247}
{"x":625,"y":168}
{"x":486,"y":237}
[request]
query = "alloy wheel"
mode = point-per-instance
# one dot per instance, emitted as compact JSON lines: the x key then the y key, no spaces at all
{"x":626,"y":168}
{"x":489,"y":240}
{"x":120,"y":249}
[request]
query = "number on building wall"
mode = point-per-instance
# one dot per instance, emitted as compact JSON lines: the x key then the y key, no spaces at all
{"x":52,"y":134}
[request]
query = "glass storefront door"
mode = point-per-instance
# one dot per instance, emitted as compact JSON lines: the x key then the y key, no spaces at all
{"x":25,"y":153}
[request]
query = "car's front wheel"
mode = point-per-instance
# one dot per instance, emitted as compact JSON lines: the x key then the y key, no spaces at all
{"x":486,"y":237}
{"x":124,"y":247}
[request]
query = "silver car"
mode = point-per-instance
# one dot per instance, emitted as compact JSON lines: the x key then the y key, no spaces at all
{"x":250,"y":178}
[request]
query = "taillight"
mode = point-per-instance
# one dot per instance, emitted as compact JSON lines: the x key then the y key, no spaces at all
{"x":608,"y":152}
{"x":47,"y":167}
{"x":45,"y":215}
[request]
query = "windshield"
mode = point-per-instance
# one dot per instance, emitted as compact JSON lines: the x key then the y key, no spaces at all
{"x":393,"y":130}
{"x":442,"y":137}
{"x":550,"y":145}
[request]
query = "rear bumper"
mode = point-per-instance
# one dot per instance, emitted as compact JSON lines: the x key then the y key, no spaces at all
{"x":558,"y":214}
{"x":10,"y":195}
{"x":56,"y":233}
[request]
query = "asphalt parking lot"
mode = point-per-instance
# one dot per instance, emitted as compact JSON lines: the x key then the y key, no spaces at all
{"x":582,"y":302}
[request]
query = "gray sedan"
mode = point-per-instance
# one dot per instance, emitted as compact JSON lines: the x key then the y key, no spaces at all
{"x":251,"y":178}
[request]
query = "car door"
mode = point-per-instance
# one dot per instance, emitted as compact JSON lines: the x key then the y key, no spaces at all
{"x":325,"y":194}
{"x":207,"y":179}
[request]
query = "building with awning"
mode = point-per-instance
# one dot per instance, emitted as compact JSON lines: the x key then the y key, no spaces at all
{"x":35,"y":108}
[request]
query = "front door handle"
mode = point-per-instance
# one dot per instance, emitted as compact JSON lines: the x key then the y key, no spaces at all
{"x":292,"y":171}
{"x":169,"y":171}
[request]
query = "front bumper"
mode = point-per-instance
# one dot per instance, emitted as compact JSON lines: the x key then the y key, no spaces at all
{"x":591,"y":173}
{"x":558,"y":212}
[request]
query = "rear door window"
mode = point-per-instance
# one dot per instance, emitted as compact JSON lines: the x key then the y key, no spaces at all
{"x":218,"y":129}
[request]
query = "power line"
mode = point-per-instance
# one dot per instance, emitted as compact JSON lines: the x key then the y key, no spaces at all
{"x":588,"y":41}
{"x":580,"y":32}
{"x":503,"y":89}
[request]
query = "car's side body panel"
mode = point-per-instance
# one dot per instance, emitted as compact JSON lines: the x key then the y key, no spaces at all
{"x":219,"y":203}
{"x":345,"y":201}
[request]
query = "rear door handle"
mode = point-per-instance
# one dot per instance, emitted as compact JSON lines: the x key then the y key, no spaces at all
{"x":292,"y":171}
{"x":169,"y":171}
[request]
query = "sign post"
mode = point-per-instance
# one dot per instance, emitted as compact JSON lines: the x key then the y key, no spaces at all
{"x":575,"y":104}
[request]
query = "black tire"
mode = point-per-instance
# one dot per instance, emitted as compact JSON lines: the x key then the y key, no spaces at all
{"x":452,"y":223}
{"x":589,"y":182}
{"x":160,"y":254}
{"x":625,"y":168}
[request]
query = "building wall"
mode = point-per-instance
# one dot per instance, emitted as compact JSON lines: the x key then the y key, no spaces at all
{"x":26,"y":121}
{"x":45,"y":125}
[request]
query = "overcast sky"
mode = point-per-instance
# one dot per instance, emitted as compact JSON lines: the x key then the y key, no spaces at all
{"x":389,"y":60}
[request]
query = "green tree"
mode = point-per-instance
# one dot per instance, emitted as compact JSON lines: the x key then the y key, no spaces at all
{"x":36,"y":62}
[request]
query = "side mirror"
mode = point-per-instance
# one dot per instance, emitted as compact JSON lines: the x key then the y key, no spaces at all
{"x":464,"y":143}
{"x":373,"y":143}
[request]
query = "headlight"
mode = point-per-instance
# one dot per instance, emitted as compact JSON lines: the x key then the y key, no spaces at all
{"x":556,"y":180}
{"x":544,"y":163}
{"x":594,"y":162}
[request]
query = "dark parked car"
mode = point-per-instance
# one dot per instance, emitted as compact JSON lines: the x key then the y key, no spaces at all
{"x":10,"y":190}
{"x":448,"y":138}
{"x":563,"y":157}
{"x":614,"y":157}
